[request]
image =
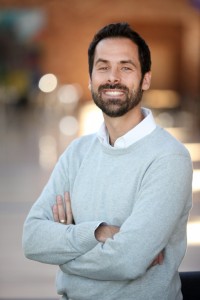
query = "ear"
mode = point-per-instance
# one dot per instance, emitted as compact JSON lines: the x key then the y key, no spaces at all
{"x":146,"y":81}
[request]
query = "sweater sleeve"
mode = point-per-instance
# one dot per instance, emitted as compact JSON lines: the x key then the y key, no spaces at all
{"x":162,"y":204}
{"x":47,"y":241}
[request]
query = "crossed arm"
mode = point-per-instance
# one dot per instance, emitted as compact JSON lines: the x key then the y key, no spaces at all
{"x":103,"y":248}
{"x":62,"y":213}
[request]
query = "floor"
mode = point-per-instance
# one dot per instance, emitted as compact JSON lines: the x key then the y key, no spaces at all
{"x":23,"y":174}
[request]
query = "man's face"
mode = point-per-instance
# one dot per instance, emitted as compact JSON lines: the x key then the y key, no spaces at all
{"x":116,"y":81}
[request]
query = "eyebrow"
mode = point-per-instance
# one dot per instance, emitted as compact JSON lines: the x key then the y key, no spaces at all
{"x":101,"y":60}
{"x":129,"y":61}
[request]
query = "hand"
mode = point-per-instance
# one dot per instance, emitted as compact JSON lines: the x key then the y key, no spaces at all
{"x":158,"y":260}
{"x":104,"y":231}
{"x":62,"y":211}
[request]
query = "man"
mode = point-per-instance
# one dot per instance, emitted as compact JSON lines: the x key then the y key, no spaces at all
{"x":127,"y":190}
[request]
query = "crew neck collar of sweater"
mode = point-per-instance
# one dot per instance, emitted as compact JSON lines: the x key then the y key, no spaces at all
{"x":145,"y":127}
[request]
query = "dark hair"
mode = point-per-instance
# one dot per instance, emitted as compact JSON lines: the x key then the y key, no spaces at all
{"x":121,"y":30}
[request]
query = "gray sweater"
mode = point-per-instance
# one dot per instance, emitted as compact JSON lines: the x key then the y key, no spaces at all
{"x":145,"y":189}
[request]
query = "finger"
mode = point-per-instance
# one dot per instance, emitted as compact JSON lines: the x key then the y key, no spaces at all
{"x":55,"y":213}
{"x":60,"y":206}
{"x":68,"y":209}
{"x":155,"y":262}
{"x":160,"y":258}
{"x":152,"y":264}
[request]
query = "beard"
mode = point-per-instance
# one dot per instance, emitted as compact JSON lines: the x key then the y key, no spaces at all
{"x":116,"y":107}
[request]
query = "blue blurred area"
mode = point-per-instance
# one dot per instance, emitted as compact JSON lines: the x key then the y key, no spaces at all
{"x":19,"y":54}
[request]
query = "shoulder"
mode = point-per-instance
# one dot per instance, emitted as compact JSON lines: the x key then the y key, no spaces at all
{"x":82,"y":143}
{"x":167,"y":158}
{"x":165,"y":144}
{"x":79,"y":148}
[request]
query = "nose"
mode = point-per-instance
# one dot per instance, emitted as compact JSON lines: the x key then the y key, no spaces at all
{"x":114,"y":76}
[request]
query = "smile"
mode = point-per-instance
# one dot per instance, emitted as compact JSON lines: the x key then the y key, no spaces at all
{"x":114,"y":93}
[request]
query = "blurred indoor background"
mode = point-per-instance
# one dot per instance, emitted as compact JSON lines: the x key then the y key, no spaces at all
{"x":45,"y":103}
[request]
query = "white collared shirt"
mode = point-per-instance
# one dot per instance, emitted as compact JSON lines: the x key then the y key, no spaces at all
{"x":145,"y":127}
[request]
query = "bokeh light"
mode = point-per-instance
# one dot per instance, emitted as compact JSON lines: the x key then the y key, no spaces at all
{"x":69,"y":93}
{"x":48,"y":83}
{"x":69,"y":125}
{"x":47,"y":152}
{"x":193,"y":233}
{"x":196,"y":182}
{"x":90,"y":118}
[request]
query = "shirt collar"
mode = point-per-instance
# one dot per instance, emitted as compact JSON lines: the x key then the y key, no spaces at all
{"x":145,"y":127}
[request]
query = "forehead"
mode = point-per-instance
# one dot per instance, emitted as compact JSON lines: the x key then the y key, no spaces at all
{"x":116,"y":49}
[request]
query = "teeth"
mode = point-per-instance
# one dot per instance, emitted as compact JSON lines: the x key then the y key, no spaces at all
{"x":113,"y":93}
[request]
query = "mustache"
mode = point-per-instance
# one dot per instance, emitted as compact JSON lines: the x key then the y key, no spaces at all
{"x":112,"y":87}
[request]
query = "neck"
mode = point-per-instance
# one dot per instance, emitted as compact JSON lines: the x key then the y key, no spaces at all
{"x":119,"y":126}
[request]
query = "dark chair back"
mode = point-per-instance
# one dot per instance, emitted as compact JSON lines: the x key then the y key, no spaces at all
{"x":190,"y":285}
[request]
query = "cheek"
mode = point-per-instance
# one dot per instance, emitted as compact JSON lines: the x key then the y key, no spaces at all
{"x":130,"y":80}
{"x":96,"y":81}
{"x":94,"y":85}
{"x":130,"y":84}
{"x":97,"y":77}
{"x":134,"y":82}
